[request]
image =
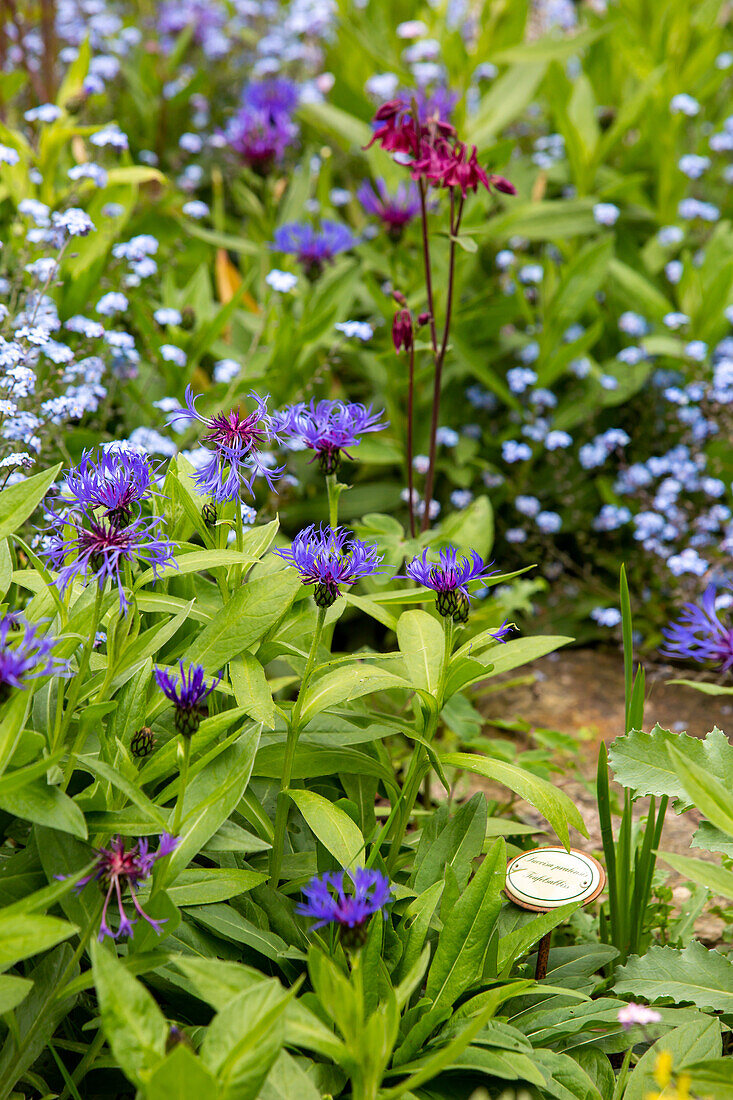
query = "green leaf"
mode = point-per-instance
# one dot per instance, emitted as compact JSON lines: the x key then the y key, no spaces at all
{"x":520,"y":651}
{"x":217,"y":982}
{"x":706,"y":689}
{"x":117,"y":779}
{"x":456,"y":845}
{"x":642,"y":760}
{"x":252,"y":610}
{"x":709,"y":795}
{"x":346,"y":683}
{"x":464,"y":939}
{"x":687,"y":1044}
{"x":333,"y":827}
{"x":712,"y":1077}
{"x":351,"y":133}
{"x":182,"y":1076}
{"x":13,"y":990}
{"x":18,"y":501}
{"x":251,"y":689}
{"x":287,"y":1081}
{"x":198,"y":561}
{"x":583,"y":278}
{"x":638,"y":292}
{"x":227,"y":922}
{"x":28,"y":934}
{"x":717,"y":879}
{"x":45,"y":805}
{"x":697,"y":974}
{"x":244,"y":1039}
{"x":204,"y":885}
{"x":555,"y":220}
{"x":133,"y":1024}
{"x":505,"y":101}
{"x":516,"y":943}
{"x":554,"y":804}
{"x":421,"y":638}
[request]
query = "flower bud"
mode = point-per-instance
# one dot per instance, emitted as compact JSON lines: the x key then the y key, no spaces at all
{"x":402,"y":330}
{"x":142,"y":742}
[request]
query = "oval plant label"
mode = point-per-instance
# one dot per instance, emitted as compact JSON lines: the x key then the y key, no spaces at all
{"x":546,"y":878}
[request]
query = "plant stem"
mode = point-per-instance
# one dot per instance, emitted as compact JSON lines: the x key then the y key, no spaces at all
{"x":237,"y":573}
{"x":455,"y":223}
{"x":333,"y":500}
{"x":426,"y":262}
{"x":184,"y":759}
{"x":410,"y":443}
{"x":281,"y":813}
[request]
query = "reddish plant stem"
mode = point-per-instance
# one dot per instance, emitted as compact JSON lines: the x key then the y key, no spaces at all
{"x":426,"y":261}
{"x":48,"y":34}
{"x":410,"y":445}
{"x":20,"y":31}
{"x":455,"y":223}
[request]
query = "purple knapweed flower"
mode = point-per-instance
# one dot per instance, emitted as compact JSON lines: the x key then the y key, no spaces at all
{"x":328,"y":902}
{"x":699,"y":634}
{"x":328,"y":428}
{"x":327,"y":558}
{"x":394,"y":211}
{"x":263,"y":129}
{"x":117,"y":868}
{"x":235,"y":441}
{"x":100,"y":549}
{"x":112,"y":482}
{"x":642,"y":1015}
{"x":187,"y":696}
{"x":449,"y":578}
{"x":25,"y":656}
{"x":314,"y":247}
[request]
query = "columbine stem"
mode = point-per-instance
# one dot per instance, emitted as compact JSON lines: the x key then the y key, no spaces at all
{"x":410,"y":444}
{"x":455,"y":224}
{"x":426,"y":261}
{"x":281,"y":814}
{"x":184,"y":759}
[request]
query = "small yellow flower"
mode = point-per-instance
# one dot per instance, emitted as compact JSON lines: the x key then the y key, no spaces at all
{"x":663,"y":1069}
{"x":683,"y":1086}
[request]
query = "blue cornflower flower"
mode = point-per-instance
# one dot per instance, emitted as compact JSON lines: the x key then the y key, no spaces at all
{"x":277,"y":95}
{"x":187,"y":696}
{"x":328,"y":428}
{"x":117,"y":868}
{"x":449,"y":578}
{"x":314,"y":248}
{"x":394,"y":211}
{"x":235,"y":441}
{"x":112,"y":481}
{"x":327,"y":558}
{"x":261,"y":134}
{"x":101,"y":548}
{"x":29,"y":658}
{"x":699,"y":634}
{"x":328,"y":902}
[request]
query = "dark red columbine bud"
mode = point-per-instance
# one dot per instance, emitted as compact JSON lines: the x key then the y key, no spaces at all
{"x":399,"y":297}
{"x":402,"y":330}
{"x":422,"y":319}
{"x":502,"y":185}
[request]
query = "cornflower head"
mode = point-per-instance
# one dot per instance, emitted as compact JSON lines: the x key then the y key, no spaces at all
{"x":314,"y":247}
{"x":699,"y":635}
{"x":113,"y":482}
{"x":350,"y":906}
{"x":328,"y":558}
{"x":25,"y":655}
{"x":394,"y":211}
{"x":235,"y":441}
{"x":449,"y":578}
{"x":118,"y":868}
{"x":263,"y":129}
{"x":187,"y":695}
{"x":101,"y":549}
{"x":328,"y":428}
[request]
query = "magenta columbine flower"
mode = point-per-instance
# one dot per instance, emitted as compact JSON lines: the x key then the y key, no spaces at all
{"x":449,"y":578}
{"x":25,"y":655}
{"x":642,"y":1015}
{"x":699,"y":634}
{"x":187,"y":696}
{"x":328,"y":428}
{"x":328,"y":558}
{"x":235,"y":441}
{"x":101,"y":549}
{"x":113,"y":482}
{"x":119,"y":869}
{"x":394,"y":211}
{"x":314,"y":248}
{"x":329,"y":902}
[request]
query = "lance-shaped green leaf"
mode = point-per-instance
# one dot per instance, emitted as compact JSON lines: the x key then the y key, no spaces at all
{"x":421,"y":639}
{"x":334,"y":828}
{"x":18,"y":501}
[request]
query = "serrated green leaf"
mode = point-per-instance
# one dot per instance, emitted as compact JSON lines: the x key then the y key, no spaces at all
{"x":696,"y":974}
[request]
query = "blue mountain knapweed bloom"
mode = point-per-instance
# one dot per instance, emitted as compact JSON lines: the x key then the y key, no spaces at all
{"x":235,"y":441}
{"x":449,"y":578}
{"x":314,"y":248}
{"x":394,"y":211}
{"x":101,"y":548}
{"x":699,"y":634}
{"x":111,"y":482}
{"x":327,"y":558}
{"x":328,"y":902}
{"x":187,"y":696}
{"x":25,"y":655}
{"x":117,"y":868}
{"x":328,"y":428}
{"x":263,"y":129}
